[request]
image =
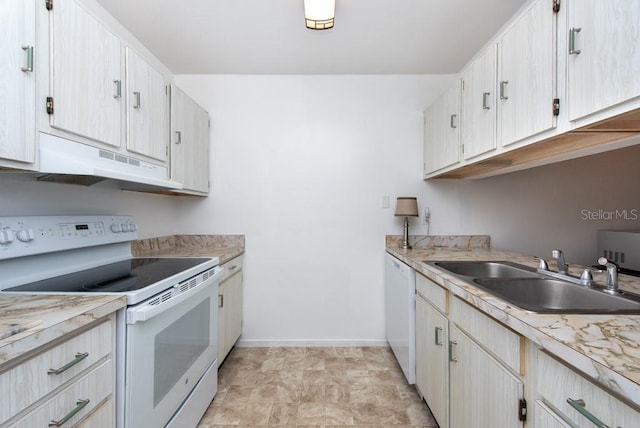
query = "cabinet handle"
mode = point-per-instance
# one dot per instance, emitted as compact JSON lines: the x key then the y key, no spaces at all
{"x":580,"y":406}
{"x":79,"y":357}
{"x":29,"y":51}
{"x":137,"y":101}
{"x":220,"y":300}
{"x":485,"y":100}
{"x":451,"y":357}
{"x":437,"y":336}
{"x":503,"y":84}
{"x":572,"y":41}
{"x":118,"y":93}
{"x":178,"y":137}
{"x":233,"y":267}
{"x":453,"y":121}
{"x":80,"y":404}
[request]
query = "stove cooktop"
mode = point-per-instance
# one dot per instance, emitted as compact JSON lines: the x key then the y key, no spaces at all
{"x":121,"y":277}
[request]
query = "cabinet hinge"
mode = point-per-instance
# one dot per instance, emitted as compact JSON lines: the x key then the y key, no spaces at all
{"x":462,"y":148}
{"x":522,"y":410}
{"x":49,"y":4}
{"x":462,"y":85}
{"x":166,"y":150}
{"x":556,"y":5}
{"x":49,"y":105}
{"x":556,"y":106}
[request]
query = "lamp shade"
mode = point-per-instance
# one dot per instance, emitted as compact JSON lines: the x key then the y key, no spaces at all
{"x":407,"y":206}
{"x":319,"y":14}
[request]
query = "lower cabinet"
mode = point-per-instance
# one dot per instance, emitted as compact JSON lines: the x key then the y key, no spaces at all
{"x":71,"y":382}
{"x":572,"y":400}
{"x":432,"y":356}
{"x":468,"y":366}
{"x":229,"y":307}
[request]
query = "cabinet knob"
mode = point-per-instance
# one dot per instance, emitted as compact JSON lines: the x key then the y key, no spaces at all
{"x":29,"y":67}
{"x":572,"y":41}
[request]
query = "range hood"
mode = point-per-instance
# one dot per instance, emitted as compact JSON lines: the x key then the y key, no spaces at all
{"x":67,"y":161}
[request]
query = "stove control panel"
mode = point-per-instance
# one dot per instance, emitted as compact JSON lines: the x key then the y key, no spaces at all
{"x":30,"y":235}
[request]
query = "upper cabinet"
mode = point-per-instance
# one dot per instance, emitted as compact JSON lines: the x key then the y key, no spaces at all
{"x":86,"y":76}
{"x":603,"y":55}
{"x":479,"y":105}
{"x":147,"y":109}
{"x":442,"y":132}
{"x":190,"y":143}
{"x":17,"y":83}
{"x":526,"y":75}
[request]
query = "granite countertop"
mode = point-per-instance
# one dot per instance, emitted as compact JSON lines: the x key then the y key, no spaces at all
{"x":225,"y":247}
{"x":606,"y":348}
{"x":27,"y":321}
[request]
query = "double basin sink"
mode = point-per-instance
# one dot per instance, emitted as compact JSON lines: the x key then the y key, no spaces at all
{"x":524,"y":287}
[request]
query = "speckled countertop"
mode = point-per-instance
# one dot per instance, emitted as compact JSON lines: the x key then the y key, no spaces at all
{"x":603,"y":347}
{"x":225,"y":247}
{"x":31,"y":321}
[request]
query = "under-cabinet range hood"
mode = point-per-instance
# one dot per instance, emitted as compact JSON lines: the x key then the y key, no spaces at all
{"x":67,"y":161}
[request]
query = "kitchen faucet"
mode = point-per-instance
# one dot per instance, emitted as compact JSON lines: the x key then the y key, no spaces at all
{"x":585,"y":279}
{"x":612,"y":275}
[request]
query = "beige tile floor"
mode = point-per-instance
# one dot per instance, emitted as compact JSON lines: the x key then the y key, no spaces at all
{"x":314,"y":387}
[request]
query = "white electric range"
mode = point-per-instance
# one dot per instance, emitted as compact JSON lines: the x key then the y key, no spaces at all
{"x":166,"y":336}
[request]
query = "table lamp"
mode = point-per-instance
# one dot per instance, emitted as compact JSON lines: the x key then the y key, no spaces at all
{"x":406,"y":207}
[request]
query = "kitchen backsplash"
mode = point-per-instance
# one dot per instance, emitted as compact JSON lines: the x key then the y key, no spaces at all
{"x":143,"y":246}
{"x":448,"y":241}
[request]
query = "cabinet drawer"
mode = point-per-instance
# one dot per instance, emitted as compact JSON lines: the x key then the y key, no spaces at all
{"x":103,"y":416}
{"x":505,"y":344}
{"x":25,"y":384}
{"x":96,"y":387}
{"x":232,"y":267}
{"x":557,"y":383}
{"x":432,"y":292}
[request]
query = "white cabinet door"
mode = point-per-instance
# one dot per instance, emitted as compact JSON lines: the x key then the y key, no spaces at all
{"x":229,"y":308}
{"x":86,"y":75}
{"x":526,"y":75}
{"x":17,"y":80}
{"x":147,"y":109}
{"x":441,"y":131}
{"x":190,"y":142}
{"x":483,"y":392}
{"x":603,"y":68}
{"x":478,"y":124}
{"x":432,"y":359}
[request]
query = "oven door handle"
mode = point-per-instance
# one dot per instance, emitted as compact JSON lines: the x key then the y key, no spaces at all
{"x":146,"y":311}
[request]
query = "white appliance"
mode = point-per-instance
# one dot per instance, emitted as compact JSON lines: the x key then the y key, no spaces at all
{"x":400,"y":312}
{"x":166,"y":336}
{"x":621,"y":247}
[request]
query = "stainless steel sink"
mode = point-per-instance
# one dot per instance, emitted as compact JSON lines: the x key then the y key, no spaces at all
{"x":488,"y":269}
{"x":545,"y":295}
{"x":524,"y":287}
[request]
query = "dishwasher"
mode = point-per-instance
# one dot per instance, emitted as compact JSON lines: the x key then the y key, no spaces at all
{"x":400,"y":312}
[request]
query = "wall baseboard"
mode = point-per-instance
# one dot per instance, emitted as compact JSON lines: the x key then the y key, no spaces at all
{"x":342,"y":343}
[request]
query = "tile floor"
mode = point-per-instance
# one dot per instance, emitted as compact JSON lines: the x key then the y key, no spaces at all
{"x":314,"y":387}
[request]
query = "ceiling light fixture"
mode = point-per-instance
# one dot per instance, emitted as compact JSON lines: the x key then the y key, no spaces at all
{"x":319,"y":14}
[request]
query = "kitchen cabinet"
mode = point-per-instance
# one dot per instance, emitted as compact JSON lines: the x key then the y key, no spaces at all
{"x":17,"y":83}
{"x":229,"y":307}
{"x":547,"y":418}
{"x":190,"y":143}
{"x":478,"y":124}
{"x":557,"y":383}
{"x":603,"y":55}
{"x":77,"y":372}
{"x":527,"y":75}
{"x":432,"y":356}
{"x":86,"y":86}
{"x":483,"y":392}
{"x":147,"y":109}
{"x":442,"y":131}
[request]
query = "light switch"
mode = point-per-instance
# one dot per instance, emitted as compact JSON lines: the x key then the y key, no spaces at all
{"x":385,"y":202}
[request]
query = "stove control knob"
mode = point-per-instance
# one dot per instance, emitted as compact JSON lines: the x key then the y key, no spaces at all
{"x":115,"y":228}
{"x":124,"y":227}
{"x":6,"y":236}
{"x":132,"y":227}
{"x":25,"y":235}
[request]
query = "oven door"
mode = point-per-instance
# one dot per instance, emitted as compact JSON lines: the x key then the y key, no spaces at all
{"x":170,"y":342}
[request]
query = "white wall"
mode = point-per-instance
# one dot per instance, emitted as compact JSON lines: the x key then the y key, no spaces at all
{"x":20,"y":195}
{"x":300,"y":166}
